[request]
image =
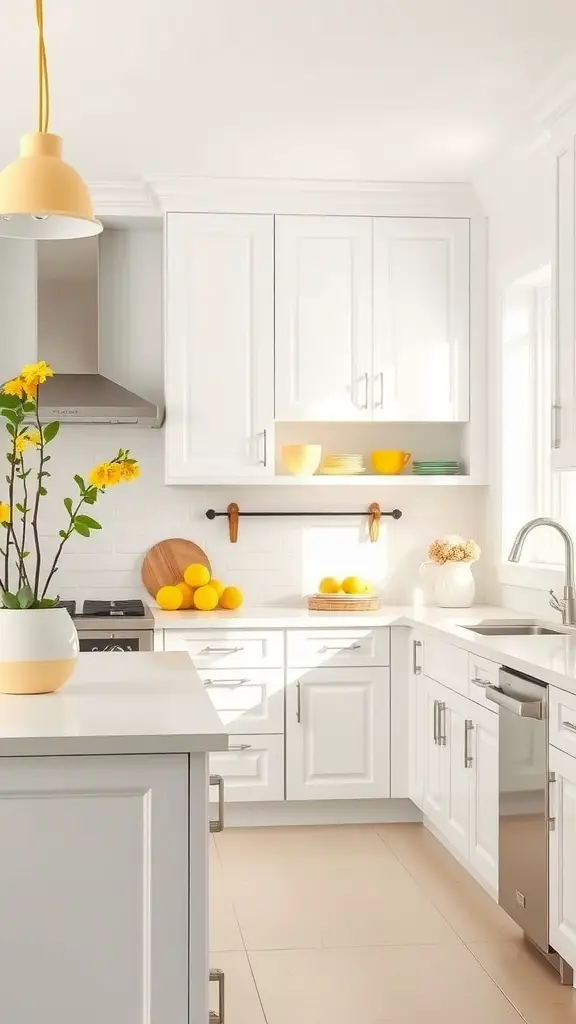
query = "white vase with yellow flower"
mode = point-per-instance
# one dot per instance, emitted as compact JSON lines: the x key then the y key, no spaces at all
{"x":452,"y":558}
{"x":38,"y":640}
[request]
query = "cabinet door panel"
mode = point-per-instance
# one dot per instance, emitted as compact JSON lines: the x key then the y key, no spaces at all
{"x":252,"y":769}
{"x":416,"y":721}
{"x":421,"y":318}
{"x":91,"y":905}
{"x":563,"y":857}
{"x":219,"y":346}
{"x":484,"y":797}
{"x":323,"y":318}
{"x":338,"y":734}
{"x":247,"y":699}
{"x":457,"y":823}
{"x":435,"y":788}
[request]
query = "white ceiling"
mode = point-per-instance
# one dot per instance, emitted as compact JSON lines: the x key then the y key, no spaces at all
{"x":372,"y":89}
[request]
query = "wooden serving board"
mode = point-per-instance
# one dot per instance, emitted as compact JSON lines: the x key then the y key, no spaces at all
{"x":164,"y":564}
{"x":326,"y":603}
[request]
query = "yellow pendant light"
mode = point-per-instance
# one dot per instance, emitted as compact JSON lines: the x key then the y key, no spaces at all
{"x":40,"y":195}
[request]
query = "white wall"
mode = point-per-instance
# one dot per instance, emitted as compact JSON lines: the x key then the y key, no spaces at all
{"x":275,"y":560}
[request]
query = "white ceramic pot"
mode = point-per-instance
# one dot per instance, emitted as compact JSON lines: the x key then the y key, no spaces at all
{"x":38,"y":650}
{"x":454,"y":585}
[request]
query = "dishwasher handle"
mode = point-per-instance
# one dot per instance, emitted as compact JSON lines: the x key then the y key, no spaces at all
{"x":524,"y":708}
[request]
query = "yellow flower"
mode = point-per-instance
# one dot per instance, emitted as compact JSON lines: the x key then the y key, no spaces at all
{"x":129,"y":470}
{"x":106,"y":474}
{"x":14,"y":387}
{"x":4,"y":512}
{"x":31,"y":438}
{"x":36,"y":373}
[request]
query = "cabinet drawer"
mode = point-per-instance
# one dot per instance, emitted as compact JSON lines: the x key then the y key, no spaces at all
{"x":250,"y":700}
{"x":313,"y":648}
{"x":446,"y":664}
{"x":563,"y":720}
{"x":252,"y":768}
{"x":482,"y":673}
{"x":222,"y":648}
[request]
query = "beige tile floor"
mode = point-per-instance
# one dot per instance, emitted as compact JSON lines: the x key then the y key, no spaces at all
{"x":372,"y":923}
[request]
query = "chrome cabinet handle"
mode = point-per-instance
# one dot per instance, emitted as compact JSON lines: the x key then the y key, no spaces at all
{"x":218,"y":824}
{"x":555,"y":430}
{"x":339,"y":647}
{"x":569,"y":725}
{"x":436,"y":722}
{"x":480,"y":682}
{"x":298,"y":702}
{"x":221,"y":650}
{"x":380,"y":403}
{"x":239,"y":746}
{"x":364,"y":378}
{"x":264,"y":459}
{"x":416,"y":667}
{"x":218,"y":976}
{"x":229,"y":683}
{"x":468,"y":727}
{"x":441,"y":734}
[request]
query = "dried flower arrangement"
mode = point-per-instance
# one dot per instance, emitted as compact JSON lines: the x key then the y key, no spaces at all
{"x":453,"y":548}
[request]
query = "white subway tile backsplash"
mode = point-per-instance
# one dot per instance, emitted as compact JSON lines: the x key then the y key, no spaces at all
{"x":276,"y":560}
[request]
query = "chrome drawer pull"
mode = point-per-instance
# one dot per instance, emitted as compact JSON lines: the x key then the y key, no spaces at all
{"x":569,"y":725}
{"x":339,"y":647}
{"x":299,"y":702}
{"x":441,"y":735}
{"x":480,"y":682}
{"x":239,"y":746}
{"x":230,"y":684}
{"x":221,"y":650}
{"x":218,"y":976}
{"x":436,"y":722}
{"x":218,"y":825}
{"x":416,"y":668}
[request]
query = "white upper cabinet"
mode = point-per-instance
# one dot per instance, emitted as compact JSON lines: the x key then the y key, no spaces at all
{"x":219,"y":347}
{"x":323,"y":318}
{"x":421,"y":288}
{"x":18,"y":305}
{"x":564,"y":291}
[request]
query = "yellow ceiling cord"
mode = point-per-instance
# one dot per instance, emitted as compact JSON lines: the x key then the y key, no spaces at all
{"x":43,"y":83}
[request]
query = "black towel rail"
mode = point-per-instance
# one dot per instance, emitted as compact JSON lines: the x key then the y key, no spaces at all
{"x":233,"y":514}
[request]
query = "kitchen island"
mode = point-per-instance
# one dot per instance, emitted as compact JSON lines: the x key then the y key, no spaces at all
{"x":104,"y":829}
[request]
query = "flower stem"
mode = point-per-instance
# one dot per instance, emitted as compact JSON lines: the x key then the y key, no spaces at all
{"x":69,"y":533}
{"x":23,"y":574}
{"x":10,"y":531}
{"x":37,"y":505}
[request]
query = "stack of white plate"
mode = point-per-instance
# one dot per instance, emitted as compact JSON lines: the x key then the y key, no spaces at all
{"x":343,"y":465}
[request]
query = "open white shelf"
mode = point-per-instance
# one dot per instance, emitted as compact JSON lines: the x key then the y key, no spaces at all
{"x":362,"y":480}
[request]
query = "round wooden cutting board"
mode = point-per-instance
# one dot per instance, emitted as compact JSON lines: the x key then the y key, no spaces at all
{"x":164,"y":564}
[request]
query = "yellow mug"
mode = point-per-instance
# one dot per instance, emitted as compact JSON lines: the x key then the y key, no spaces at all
{"x":390,"y":462}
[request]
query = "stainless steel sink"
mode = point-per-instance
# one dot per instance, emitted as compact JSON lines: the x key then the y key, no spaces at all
{"x":515,"y":629}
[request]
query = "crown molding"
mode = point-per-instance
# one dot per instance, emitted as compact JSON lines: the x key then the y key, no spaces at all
{"x":123,"y":198}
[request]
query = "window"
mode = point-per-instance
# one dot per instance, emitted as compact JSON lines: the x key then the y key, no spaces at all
{"x":529,"y":486}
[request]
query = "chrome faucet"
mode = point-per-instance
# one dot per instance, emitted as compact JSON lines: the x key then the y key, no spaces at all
{"x":566,"y":605}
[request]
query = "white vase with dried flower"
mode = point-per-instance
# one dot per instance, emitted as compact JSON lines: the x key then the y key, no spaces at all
{"x":452,"y":557}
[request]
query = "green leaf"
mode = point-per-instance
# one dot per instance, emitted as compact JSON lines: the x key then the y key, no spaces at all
{"x":11,"y":430}
{"x":10,"y":402}
{"x":5,"y":525}
{"x":29,"y":406}
{"x":87,"y":521}
{"x":80,"y":482}
{"x":10,"y":600}
{"x":42,"y":491}
{"x":81,"y":529}
{"x":25,"y":596}
{"x":21,"y":508}
{"x":68,"y":505}
{"x":11,"y":416}
{"x":50,"y":431}
{"x":25,"y":554}
{"x":47,"y":602}
{"x":63,"y":534}
{"x":90,"y":499}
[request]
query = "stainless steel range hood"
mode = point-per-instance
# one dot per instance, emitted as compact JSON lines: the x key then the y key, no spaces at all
{"x":68,"y":338}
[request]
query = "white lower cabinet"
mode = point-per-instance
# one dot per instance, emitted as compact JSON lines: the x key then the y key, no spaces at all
{"x":337,"y":733}
{"x":460,"y":767}
{"x":563,"y":856}
{"x":94,"y":882}
{"x":416,"y":718}
{"x":252,"y":768}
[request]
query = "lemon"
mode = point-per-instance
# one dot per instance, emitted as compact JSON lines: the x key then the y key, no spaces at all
{"x":231,"y":597}
{"x":169,"y":598}
{"x":218,"y":586}
{"x":329,"y":585}
{"x":197,"y":575}
{"x":205,"y":599}
{"x":355,"y":585}
{"x":187,"y":595}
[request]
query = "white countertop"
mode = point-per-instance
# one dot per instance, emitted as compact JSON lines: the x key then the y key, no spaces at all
{"x":114,"y":704}
{"x":549,"y":658}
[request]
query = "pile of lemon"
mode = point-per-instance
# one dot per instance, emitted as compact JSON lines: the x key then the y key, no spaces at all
{"x":350,"y":585}
{"x":198,"y":590}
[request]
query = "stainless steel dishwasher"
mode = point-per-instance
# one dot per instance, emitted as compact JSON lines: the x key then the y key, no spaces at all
{"x":523,"y":807}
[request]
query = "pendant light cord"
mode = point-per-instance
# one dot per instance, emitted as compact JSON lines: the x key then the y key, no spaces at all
{"x":43,"y":84}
